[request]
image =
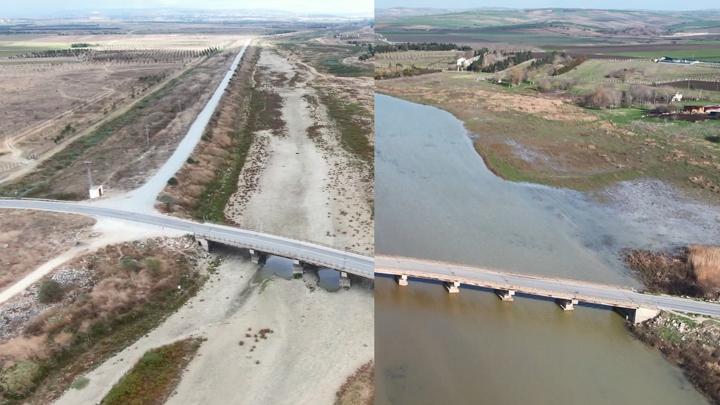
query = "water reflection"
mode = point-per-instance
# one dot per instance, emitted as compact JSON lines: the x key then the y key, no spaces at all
{"x":275,"y":266}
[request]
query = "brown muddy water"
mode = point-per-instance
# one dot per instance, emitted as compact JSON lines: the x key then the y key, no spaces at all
{"x":435,"y":199}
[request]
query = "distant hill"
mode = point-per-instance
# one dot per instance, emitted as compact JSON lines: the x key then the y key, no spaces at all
{"x":546,"y":24}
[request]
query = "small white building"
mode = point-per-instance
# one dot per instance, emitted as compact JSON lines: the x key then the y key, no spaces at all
{"x":96,"y":192}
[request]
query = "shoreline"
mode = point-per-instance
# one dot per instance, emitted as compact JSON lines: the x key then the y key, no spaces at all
{"x":622,"y":201}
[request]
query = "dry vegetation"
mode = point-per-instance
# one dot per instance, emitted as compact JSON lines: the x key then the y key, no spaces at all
{"x":54,"y":93}
{"x":524,"y":135}
{"x":693,"y":271}
{"x":359,"y":388}
{"x":30,"y":238}
{"x":692,"y":344}
{"x":90,"y":309}
{"x":162,"y":104}
{"x":209,"y":177}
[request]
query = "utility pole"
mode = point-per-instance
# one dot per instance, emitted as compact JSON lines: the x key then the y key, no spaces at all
{"x":89,"y":173}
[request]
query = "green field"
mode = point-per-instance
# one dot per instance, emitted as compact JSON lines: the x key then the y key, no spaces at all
{"x":7,"y":50}
{"x":708,"y":54}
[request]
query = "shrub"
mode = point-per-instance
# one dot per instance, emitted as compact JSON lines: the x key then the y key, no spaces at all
{"x":80,"y":383}
{"x":50,"y":291}
{"x":172,"y":181}
{"x":129,"y":263}
{"x":19,"y":380}
{"x":152,"y":264}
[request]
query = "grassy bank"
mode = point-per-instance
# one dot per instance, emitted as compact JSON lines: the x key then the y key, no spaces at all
{"x":214,"y":198}
{"x":153,"y":378}
{"x":354,"y":134}
{"x":328,"y":58}
{"x":203,"y":186}
{"x":524,"y":135}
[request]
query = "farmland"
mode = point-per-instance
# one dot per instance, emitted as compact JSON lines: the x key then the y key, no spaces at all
{"x":551,"y":28}
{"x":602,"y":146}
{"x":125,"y":102}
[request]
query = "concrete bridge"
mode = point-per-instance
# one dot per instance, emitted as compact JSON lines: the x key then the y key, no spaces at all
{"x":258,"y":244}
{"x":635,"y":306}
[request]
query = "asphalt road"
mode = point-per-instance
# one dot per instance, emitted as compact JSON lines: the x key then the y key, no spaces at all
{"x":365,"y":266}
{"x":609,"y":295}
{"x":307,"y":252}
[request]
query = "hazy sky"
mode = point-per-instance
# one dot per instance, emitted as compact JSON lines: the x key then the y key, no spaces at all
{"x":29,"y":8}
{"x":615,"y":4}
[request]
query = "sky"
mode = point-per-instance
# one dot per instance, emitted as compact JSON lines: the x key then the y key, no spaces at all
{"x":602,"y":4}
{"x":31,"y":8}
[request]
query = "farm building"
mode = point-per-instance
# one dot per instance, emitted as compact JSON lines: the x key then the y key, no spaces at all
{"x":667,"y":59}
{"x":701,"y":109}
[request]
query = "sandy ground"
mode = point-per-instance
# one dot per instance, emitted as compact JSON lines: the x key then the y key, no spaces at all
{"x":104,"y":232}
{"x":318,"y":337}
{"x":296,"y":186}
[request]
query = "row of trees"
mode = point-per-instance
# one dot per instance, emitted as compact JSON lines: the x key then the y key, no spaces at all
{"x":611,"y":97}
{"x":420,"y":46}
{"x":491,"y":62}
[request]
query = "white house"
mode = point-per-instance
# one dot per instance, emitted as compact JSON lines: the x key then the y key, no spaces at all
{"x":96,"y":192}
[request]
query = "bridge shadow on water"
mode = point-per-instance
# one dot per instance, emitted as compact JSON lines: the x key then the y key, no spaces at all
{"x":278,"y":266}
{"x":430,"y":295}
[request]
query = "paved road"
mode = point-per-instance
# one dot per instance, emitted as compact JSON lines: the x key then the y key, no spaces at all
{"x":307,"y":252}
{"x":540,"y":286}
{"x":364,"y":266}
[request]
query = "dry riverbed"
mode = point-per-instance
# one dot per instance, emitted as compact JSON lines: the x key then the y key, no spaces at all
{"x":264,"y":340}
{"x":299,"y":180}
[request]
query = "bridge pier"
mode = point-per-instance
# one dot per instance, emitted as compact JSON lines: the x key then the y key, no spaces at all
{"x":566,"y":305}
{"x":452,"y":287}
{"x":505,"y":295}
{"x":402,"y":280}
{"x":203,"y":243}
{"x":344,"y":280}
{"x":638,"y":315}
{"x":298,"y":268}
{"x":257,"y":257}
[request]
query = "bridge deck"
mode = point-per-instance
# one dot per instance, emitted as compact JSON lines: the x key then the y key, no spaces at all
{"x":312,"y":253}
{"x":607,"y":295}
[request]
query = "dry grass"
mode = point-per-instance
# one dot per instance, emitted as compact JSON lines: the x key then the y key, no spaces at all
{"x":705,"y":262}
{"x":221,"y":145}
{"x":121,"y":156}
{"x":28,"y":239}
{"x":692,"y":271}
{"x":117,"y":294}
{"x":359,"y":388}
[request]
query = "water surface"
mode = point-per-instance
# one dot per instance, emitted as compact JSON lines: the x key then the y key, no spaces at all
{"x":435,"y":199}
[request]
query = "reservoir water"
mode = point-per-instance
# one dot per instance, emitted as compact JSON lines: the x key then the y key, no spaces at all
{"x":435,"y":199}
